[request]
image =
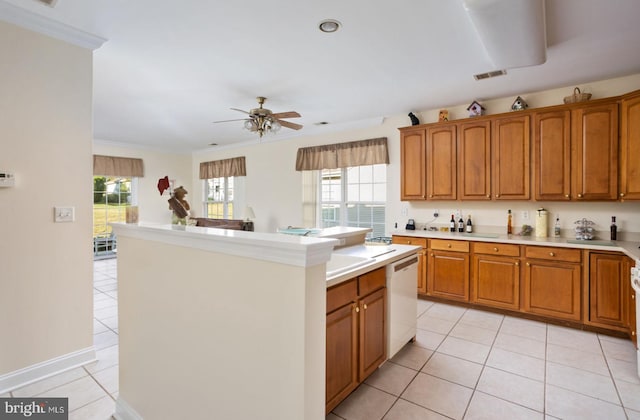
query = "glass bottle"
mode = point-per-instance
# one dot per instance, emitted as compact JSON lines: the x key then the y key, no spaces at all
{"x":614,"y":229}
{"x":460,"y":225}
{"x":509,"y":223}
{"x":469,"y":225}
{"x":556,"y":228}
{"x":452,"y":224}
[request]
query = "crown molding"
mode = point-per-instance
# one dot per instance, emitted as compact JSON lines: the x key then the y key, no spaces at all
{"x":44,"y":25}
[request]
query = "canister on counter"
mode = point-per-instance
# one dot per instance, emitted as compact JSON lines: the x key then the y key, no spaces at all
{"x":542,"y":217}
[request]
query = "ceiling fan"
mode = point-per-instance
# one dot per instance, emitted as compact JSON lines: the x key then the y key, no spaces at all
{"x":262,"y":120}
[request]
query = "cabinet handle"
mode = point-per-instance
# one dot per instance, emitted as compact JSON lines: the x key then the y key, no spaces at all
{"x":365,"y":306}
{"x":432,"y":254}
{"x":566,"y":195}
{"x":579,"y":195}
{"x":633,"y":296}
{"x":621,"y":194}
{"x":517,"y":264}
{"x":448,"y":245}
{"x":552,"y":254}
{"x":495,"y":249}
{"x":488,"y":195}
{"x":633,"y":333}
{"x":409,"y":242}
{"x":497,"y":195}
{"x":528,"y":264}
{"x":357,"y":309}
{"x":430,"y":195}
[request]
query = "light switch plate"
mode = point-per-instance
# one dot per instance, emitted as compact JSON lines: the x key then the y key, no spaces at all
{"x":63,"y":214}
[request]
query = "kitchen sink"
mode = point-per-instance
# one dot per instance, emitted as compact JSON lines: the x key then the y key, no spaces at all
{"x":339,"y":264}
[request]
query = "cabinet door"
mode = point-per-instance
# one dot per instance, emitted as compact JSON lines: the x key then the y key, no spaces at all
{"x":552,"y":288}
{"x":496,"y":281}
{"x":474,"y":160}
{"x":607,"y":291}
{"x":552,"y":155}
{"x":630,"y":147}
{"x":448,"y":275}
{"x":510,"y":155}
{"x":373,"y":342}
{"x":342,"y":355}
{"x":422,"y":258}
{"x":594,"y":137}
{"x":441,"y":163}
{"x":631,"y":315}
{"x":412,"y":164}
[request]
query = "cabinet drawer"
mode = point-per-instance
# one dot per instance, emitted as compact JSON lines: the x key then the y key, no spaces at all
{"x":496,"y":249}
{"x":341,"y":294}
{"x":409,"y":240}
{"x":447,"y":245}
{"x":372,"y":281}
{"x":550,"y":253}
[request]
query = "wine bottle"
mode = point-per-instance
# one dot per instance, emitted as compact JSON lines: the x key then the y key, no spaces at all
{"x":556,"y":228}
{"x":469,"y":225}
{"x":614,"y":229}
{"x":452,"y":224}
{"x":509,"y":221}
{"x":460,"y":225}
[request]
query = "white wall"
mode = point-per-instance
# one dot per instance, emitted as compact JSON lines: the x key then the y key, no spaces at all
{"x":46,"y":271}
{"x":153,"y":207}
{"x":273,"y":187}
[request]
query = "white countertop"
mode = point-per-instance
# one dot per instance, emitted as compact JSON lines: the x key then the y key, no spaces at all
{"x":377,"y":256}
{"x":627,"y":247}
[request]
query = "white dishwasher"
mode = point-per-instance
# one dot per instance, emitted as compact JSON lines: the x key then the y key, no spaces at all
{"x":402,"y":303}
{"x":635,"y":283}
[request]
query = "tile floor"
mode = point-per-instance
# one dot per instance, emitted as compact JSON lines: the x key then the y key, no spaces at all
{"x":469,"y":364}
{"x":464,"y":364}
{"x":91,"y":389}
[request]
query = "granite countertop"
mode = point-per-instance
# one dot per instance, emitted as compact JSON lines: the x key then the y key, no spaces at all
{"x":629,"y":248}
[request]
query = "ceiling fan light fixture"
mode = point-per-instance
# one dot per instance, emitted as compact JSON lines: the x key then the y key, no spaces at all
{"x":250,"y":125}
{"x":275,"y":126}
{"x":329,"y":26}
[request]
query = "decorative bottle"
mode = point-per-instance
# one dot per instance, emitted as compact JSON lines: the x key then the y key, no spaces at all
{"x":460,"y":225}
{"x":614,"y":229}
{"x":469,"y":225}
{"x":452,"y":224}
{"x":509,"y":223}
{"x":556,"y":228}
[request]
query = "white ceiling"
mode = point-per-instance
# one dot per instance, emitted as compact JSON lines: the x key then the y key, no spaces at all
{"x":170,"y":68}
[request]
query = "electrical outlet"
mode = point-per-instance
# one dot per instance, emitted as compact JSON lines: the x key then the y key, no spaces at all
{"x":525,"y":215}
{"x":436,"y":213}
{"x":63,"y":214}
{"x":404,"y":211}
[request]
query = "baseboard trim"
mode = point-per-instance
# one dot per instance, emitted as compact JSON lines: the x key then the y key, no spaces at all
{"x":25,"y":376}
{"x":124,"y":411}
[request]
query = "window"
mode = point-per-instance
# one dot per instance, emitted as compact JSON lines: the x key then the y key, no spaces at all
{"x":354,"y":196}
{"x":218,"y":193}
{"x":111,"y":197}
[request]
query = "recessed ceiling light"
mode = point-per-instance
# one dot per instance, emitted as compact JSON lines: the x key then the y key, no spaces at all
{"x":322,"y":123}
{"x":213,"y":144}
{"x":329,"y":25}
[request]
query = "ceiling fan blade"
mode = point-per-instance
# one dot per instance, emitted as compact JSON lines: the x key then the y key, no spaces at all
{"x":291,"y":125}
{"x":241,"y":110}
{"x":288,"y":114}
{"x":239,"y":119}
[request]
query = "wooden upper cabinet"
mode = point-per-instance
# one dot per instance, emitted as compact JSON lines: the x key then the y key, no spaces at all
{"x":594,"y":138}
{"x":510,"y":154}
{"x":630,"y":147}
{"x":412,"y":164}
{"x":552,"y":155}
{"x":441,"y":162}
{"x":474,"y":160}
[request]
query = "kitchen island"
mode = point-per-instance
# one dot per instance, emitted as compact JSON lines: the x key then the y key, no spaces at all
{"x":211,"y":319}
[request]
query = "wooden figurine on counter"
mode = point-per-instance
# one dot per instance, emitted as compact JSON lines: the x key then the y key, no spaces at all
{"x":180,"y":206}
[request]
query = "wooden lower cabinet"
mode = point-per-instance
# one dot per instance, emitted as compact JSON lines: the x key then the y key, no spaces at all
{"x":422,"y":258}
{"x":496,"y":281}
{"x":356,"y":333}
{"x":552,"y":288}
{"x":608,"y":300}
{"x":448,"y":270}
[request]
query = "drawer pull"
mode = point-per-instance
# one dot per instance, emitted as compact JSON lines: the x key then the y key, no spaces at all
{"x":552,"y":254}
{"x":517,"y":264}
{"x":528,"y":265}
{"x":448,"y":245}
{"x":409,"y":242}
{"x":495,"y":249}
{"x":432,"y":254}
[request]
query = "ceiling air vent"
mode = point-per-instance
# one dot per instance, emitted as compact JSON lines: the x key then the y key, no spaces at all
{"x":51,"y":3}
{"x":489,"y":74}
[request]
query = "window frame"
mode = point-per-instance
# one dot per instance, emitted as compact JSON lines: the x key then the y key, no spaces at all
{"x":226,"y":212}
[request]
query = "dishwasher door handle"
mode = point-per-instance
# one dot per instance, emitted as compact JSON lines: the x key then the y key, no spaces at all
{"x":405,"y":264}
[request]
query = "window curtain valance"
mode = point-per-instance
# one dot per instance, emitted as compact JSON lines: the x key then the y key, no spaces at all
{"x":117,"y":166}
{"x":343,"y":155}
{"x":222,"y":168}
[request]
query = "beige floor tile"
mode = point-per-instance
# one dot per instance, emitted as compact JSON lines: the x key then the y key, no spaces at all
{"x":444,"y":311}
{"x":591,"y":361}
{"x":482,"y":319}
{"x":462,"y":372}
{"x":583,"y":382}
{"x":412,"y":356}
{"x":621,"y":350}
{"x":108,"y":379}
{"x":332,"y":416}
{"x":101,"y":409}
{"x":573,"y":338}
{"x":564,"y":404}
{"x":464,"y":349}
{"x":105,"y":303}
{"x":113,"y":294}
{"x":423,"y":305}
{"x":630,"y":395}
{"x":105,"y":339}
{"x":405,"y":410}
{"x":111,"y":322}
{"x":99,"y":296}
{"x":391,"y":378}
{"x":105,"y":312}
{"x":524,"y":328}
{"x":44,"y":385}
{"x":488,"y":407}
{"x":99,"y":327}
{"x":632,"y":414}
{"x":365,"y":403}
{"x":513,"y":388}
{"x":80,"y":392}
{"x":472,"y":333}
{"x":107,"y":287}
{"x":429,"y":339}
{"x":436,"y":394}
{"x":437,"y":325}
{"x":520,"y":364}
{"x":107,"y":357}
{"x":624,"y":371}
{"x":521,"y":345}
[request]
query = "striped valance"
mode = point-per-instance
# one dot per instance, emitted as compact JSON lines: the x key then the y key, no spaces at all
{"x":223,"y":168}
{"x":117,"y":166}
{"x":343,"y":155}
